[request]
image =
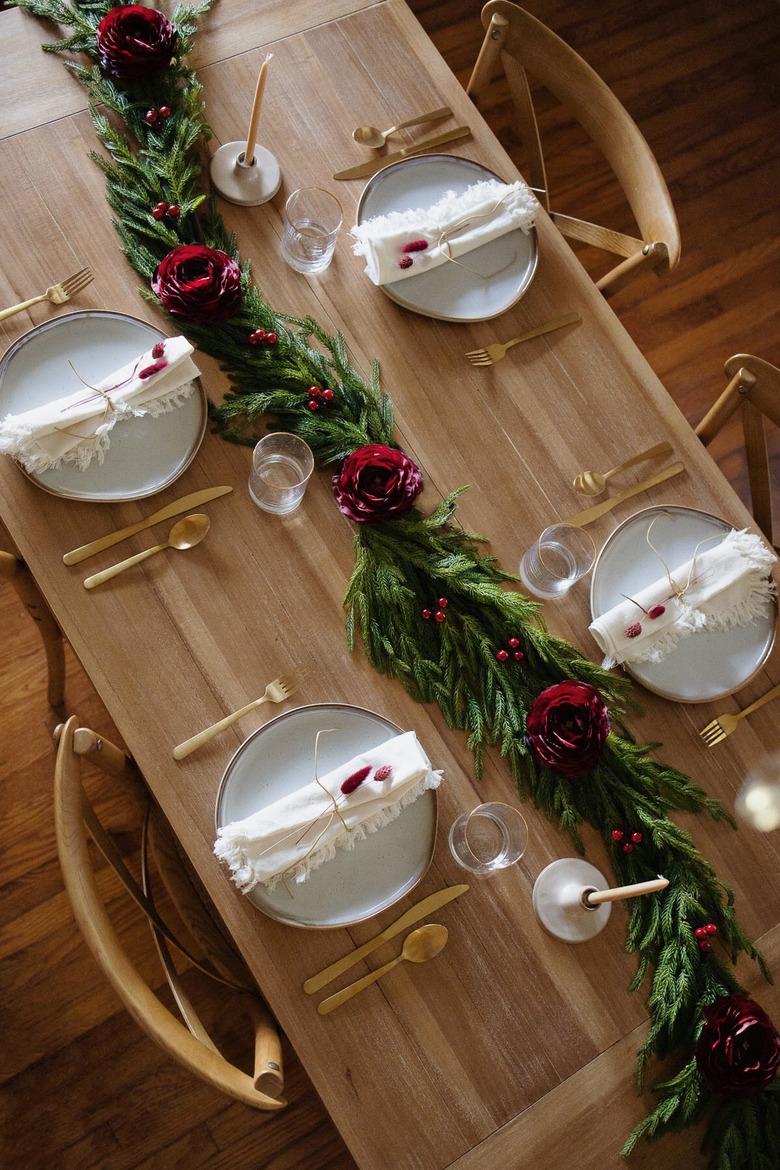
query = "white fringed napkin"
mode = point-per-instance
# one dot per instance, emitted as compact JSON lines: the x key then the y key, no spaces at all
{"x":486,"y":211}
{"x":301,"y":831}
{"x":731,"y":587}
{"x":75,"y":428}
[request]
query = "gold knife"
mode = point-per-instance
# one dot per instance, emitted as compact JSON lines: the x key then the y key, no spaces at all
{"x":193,"y":500}
{"x":580,"y":519}
{"x":363,"y":170}
{"x":418,"y":911}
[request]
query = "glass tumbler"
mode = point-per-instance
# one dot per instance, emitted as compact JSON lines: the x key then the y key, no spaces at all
{"x":281,"y":468}
{"x":490,"y":837}
{"x":312,"y":218}
{"x":560,"y":556}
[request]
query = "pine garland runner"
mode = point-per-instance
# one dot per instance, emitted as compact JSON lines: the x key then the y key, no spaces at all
{"x":402,"y":565}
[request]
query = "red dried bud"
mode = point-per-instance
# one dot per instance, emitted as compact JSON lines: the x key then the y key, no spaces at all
{"x":415,"y":246}
{"x":405,"y":262}
{"x":383,"y":773}
{"x":149,"y":371}
{"x":633,"y":631}
{"x":656,"y":611}
{"x":158,"y":350}
{"x":355,"y":780}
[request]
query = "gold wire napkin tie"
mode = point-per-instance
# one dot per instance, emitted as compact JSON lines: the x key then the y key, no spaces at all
{"x":444,"y":241}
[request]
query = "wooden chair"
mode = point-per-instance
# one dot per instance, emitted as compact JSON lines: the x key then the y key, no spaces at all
{"x":522,"y":45}
{"x":188,"y":1042}
{"x":13,"y":569}
{"x":754,"y":387}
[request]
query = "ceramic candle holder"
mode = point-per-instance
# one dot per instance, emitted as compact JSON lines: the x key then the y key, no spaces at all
{"x":240,"y":182}
{"x":558,"y":900}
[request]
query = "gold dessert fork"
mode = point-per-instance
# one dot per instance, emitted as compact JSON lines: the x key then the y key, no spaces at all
{"x":276,"y":692}
{"x":717,"y":731}
{"x":494,"y":353}
{"x":58,"y":294}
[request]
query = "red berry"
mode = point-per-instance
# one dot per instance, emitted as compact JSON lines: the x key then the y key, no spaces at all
{"x":656,"y":611}
{"x":700,"y":932}
{"x":711,"y":928}
{"x":705,"y":946}
{"x":314,"y":392}
{"x":271,"y":338}
{"x":165,"y":111}
{"x":159,"y":211}
{"x":426,"y":615}
{"x":502,"y":655}
{"x":405,"y":262}
{"x":628,"y":847}
{"x":439,"y":616}
{"x":151,"y":117}
{"x":313,"y":405}
{"x":443,"y":602}
{"x":513,"y":643}
{"x":383,"y":773}
{"x":158,"y":350}
{"x":518,"y":655}
{"x":617,"y":834}
{"x":174,"y":211}
{"x":253,"y":339}
{"x":636,"y":838}
{"x":328,"y":395}
{"x":633,"y":631}
{"x":415,"y":246}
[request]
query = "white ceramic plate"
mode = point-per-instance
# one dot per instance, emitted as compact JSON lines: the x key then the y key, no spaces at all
{"x":146,"y":454}
{"x":450,"y":292}
{"x":705,"y":665}
{"x":356,"y":884}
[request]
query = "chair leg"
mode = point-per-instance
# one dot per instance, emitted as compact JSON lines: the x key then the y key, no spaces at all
{"x":20,"y":577}
{"x":268,"y":1072}
{"x":727,"y":404}
{"x":485,"y":65}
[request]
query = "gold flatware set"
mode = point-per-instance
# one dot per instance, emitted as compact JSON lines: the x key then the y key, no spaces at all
{"x":593,"y":483}
{"x":184,"y":534}
{"x":56,"y":294}
{"x":366,"y":169}
{"x":372,"y":137}
{"x":419,"y":946}
{"x":724,"y":725}
{"x":580,"y":519}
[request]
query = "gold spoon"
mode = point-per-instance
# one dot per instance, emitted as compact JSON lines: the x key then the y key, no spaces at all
{"x":419,"y":946}
{"x":184,"y":534}
{"x":593,"y":483}
{"x":370,"y":136}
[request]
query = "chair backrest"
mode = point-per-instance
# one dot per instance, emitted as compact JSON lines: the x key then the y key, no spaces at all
{"x":523,"y":45}
{"x":195,"y":1051}
{"x":754,"y":387}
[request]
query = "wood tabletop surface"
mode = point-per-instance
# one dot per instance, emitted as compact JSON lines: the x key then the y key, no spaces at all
{"x":510,"y":1048}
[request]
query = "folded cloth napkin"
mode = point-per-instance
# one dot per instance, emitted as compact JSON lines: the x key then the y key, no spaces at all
{"x":297,"y":833}
{"x":454,"y":225}
{"x":731,"y":587}
{"x":75,"y":428}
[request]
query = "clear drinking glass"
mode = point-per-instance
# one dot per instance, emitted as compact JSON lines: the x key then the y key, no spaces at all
{"x":281,"y":468}
{"x":490,"y":837}
{"x":560,"y":556}
{"x":312,"y":218}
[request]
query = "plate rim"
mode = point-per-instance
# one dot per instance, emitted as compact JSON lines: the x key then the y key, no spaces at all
{"x":640,"y":682}
{"x":434,"y":833}
{"x":398,"y":300}
{"x":53,"y":323}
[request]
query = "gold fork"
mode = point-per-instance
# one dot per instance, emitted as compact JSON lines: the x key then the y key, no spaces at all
{"x":58,"y":294}
{"x":494,"y":353}
{"x":276,"y":692}
{"x":717,"y":731}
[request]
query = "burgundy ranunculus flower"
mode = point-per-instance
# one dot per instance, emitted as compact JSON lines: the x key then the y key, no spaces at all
{"x":739,"y":1049}
{"x":197,"y":283}
{"x":376,"y":483}
{"x":566,"y":728}
{"x":134,"y":42}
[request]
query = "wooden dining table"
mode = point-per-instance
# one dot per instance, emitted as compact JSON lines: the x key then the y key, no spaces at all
{"x":512,"y":1049}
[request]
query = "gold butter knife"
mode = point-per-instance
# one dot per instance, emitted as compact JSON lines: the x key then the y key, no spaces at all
{"x":363,"y":170}
{"x":193,"y":500}
{"x":419,"y":910}
{"x":580,"y":519}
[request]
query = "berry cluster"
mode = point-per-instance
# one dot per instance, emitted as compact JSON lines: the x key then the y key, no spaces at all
{"x":437,"y":612}
{"x":320,"y":396}
{"x":620,"y":835}
{"x":266,"y":339}
{"x":166,"y":211}
{"x":703,"y":934}
{"x":406,"y":260}
{"x":161,"y":114}
{"x":512,"y":651}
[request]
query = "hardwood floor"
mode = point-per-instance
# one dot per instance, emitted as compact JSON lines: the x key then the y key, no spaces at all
{"x":83,"y":1087}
